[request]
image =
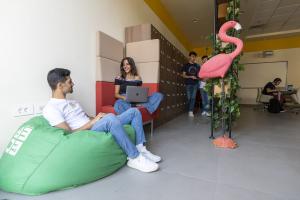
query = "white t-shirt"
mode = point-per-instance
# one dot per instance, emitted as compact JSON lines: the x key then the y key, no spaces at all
{"x":62,"y":110}
{"x":202,"y":84}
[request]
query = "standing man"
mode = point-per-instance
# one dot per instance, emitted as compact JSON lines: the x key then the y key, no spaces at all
{"x":204,"y":95}
{"x":190,"y":74}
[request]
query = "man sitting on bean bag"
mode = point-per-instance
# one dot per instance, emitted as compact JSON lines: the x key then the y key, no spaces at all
{"x":69,"y":115}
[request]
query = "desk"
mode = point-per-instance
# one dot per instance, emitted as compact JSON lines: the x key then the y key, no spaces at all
{"x":287,"y":95}
{"x":288,"y":92}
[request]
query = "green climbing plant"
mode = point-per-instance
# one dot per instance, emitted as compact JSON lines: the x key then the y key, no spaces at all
{"x":231,"y":103}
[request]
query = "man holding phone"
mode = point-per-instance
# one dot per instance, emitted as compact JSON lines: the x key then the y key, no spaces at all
{"x":190,"y":74}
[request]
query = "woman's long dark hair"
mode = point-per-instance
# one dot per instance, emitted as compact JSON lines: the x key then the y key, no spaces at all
{"x":133,"y":69}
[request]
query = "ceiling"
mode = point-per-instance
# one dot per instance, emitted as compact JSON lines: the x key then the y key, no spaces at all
{"x":260,"y":19}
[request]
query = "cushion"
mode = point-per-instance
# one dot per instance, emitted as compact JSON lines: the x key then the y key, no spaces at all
{"x":41,"y":158}
{"x":108,"y":109}
{"x":146,"y":116}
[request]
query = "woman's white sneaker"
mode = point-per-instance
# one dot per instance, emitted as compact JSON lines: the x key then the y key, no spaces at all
{"x":142,"y":164}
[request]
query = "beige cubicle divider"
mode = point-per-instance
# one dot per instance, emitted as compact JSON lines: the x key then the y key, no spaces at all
{"x":146,"y":56}
{"x":107,"y":69}
{"x":144,"y":51}
{"x":110,"y":52}
{"x":149,"y":71}
{"x":108,"y":47}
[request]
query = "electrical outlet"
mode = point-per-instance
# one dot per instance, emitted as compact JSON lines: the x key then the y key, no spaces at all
{"x":23,"y":110}
{"x":38,"y":108}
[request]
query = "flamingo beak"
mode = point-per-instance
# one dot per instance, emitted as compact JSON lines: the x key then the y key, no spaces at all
{"x":237,"y":26}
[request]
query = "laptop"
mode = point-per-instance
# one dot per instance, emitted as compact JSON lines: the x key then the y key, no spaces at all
{"x":288,"y":90}
{"x":137,"y":94}
{"x":289,"y":87}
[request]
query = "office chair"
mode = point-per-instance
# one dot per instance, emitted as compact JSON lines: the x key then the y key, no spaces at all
{"x":262,"y":100}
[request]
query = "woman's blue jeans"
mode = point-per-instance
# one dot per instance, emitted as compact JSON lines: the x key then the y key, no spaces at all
{"x":151,"y":105}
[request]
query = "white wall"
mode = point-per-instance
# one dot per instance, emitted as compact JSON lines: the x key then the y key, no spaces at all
{"x":292,"y":56}
{"x":37,"y":35}
{"x":289,"y":55}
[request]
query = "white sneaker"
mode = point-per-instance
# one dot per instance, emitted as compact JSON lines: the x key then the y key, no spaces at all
{"x":143,"y":164}
{"x":191,"y":114}
{"x":204,"y":113}
{"x":148,"y":154}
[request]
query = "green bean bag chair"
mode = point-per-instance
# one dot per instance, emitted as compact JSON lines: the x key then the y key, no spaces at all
{"x":41,"y":158}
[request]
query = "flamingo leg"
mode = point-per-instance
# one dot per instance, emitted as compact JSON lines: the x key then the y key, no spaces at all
{"x":224,"y":141}
{"x":223,"y":106}
{"x":212,"y":116}
{"x":229,"y":123}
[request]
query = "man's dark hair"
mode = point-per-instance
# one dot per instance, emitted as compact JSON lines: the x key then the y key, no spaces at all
{"x":193,"y":53}
{"x":57,"y":75}
{"x":205,"y":56}
{"x":277,"y":80}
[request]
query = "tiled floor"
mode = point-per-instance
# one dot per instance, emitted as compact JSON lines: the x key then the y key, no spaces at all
{"x":266,"y":166}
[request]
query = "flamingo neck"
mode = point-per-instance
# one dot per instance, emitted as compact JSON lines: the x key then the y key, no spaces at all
{"x":225,"y":38}
{"x":239,"y":46}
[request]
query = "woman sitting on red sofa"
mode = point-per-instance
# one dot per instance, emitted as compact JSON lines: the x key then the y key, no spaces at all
{"x":130,"y":77}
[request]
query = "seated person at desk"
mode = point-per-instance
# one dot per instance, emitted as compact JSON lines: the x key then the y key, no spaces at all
{"x":130,"y":77}
{"x":272,"y":90}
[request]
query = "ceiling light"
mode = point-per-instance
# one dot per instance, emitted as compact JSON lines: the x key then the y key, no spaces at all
{"x":195,"y":20}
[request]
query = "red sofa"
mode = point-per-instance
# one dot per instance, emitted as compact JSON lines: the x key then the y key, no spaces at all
{"x":105,"y":100}
{"x":109,"y":54}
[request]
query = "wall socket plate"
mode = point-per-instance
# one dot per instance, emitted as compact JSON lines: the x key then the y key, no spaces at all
{"x":23,"y":110}
{"x":38,"y":108}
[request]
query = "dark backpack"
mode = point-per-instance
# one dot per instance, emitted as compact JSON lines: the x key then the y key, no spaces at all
{"x":274,"y":106}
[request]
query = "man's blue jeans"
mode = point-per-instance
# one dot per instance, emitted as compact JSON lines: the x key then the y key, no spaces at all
{"x":151,"y":105}
{"x":191,"y":91}
{"x":114,"y":124}
{"x":205,"y":102}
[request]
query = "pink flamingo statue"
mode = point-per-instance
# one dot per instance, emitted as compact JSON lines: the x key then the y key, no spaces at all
{"x":218,"y":66}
